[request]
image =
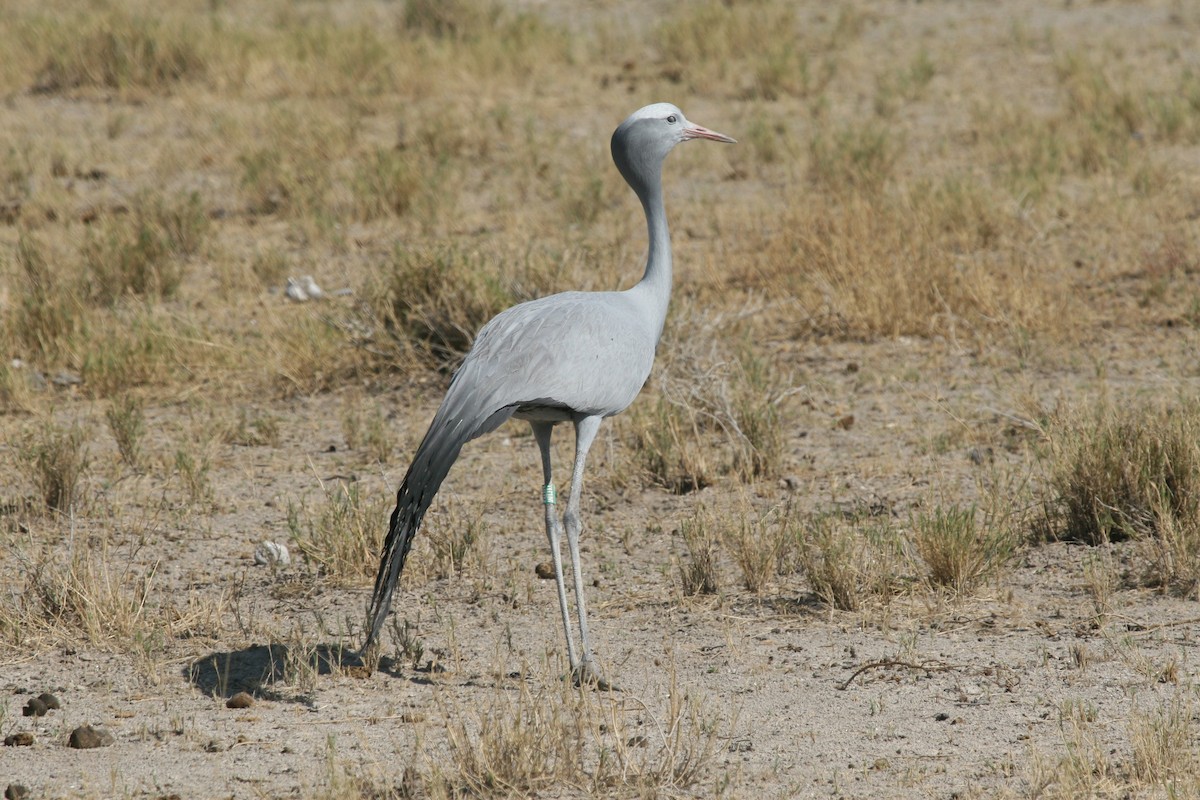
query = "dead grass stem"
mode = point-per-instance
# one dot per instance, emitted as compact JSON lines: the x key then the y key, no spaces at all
{"x":341,"y":537}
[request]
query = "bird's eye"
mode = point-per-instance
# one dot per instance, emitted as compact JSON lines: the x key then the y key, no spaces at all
{"x":672,"y":119}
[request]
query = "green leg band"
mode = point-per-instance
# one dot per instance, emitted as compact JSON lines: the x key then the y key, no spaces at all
{"x":548,"y":495}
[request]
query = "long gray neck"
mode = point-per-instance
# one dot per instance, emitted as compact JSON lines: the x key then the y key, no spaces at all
{"x":655,"y":285}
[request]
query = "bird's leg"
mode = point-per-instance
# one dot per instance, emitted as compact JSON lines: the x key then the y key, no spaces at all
{"x":585,"y":433}
{"x":541,"y":432}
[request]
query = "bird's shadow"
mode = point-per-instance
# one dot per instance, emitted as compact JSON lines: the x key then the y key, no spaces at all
{"x":269,"y":671}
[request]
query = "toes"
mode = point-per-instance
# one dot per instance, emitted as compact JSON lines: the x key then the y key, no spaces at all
{"x":586,"y":674}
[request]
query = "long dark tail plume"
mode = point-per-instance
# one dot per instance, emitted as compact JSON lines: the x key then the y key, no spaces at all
{"x":436,"y":454}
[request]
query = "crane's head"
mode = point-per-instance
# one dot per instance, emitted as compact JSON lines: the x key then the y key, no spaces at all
{"x":643,"y":140}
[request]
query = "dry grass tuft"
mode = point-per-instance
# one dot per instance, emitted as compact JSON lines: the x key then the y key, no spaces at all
{"x":1131,"y":473}
{"x":1098,"y":128}
{"x":1163,"y":758}
{"x":57,"y":457}
{"x":854,"y":158}
{"x":132,"y":347}
{"x":1084,"y":769}
{"x":192,"y":467}
{"x":485,"y":37}
{"x":341,"y":538}
{"x":310,"y":352}
{"x":293,"y":175}
{"x":435,"y":300}
{"x":762,"y":546}
{"x":960,"y":551}
{"x":850,"y":562}
{"x":457,"y":541}
{"x":95,"y":313}
{"x":120,"y":50}
{"x":85,"y":595}
{"x":386,"y":184}
{"x":717,"y":408}
{"x":1165,"y":748}
{"x":524,"y":742}
{"x":751,"y":46}
{"x":701,"y":574}
{"x":50,"y":317}
{"x":934,"y":259}
{"x":454,"y":19}
{"x":667,"y":445}
{"x":372,"y":434}
{"x":127,"y":422}
{"x":252,"y":429}
{"x":1101,"y":580}
{"x":752,"y":416}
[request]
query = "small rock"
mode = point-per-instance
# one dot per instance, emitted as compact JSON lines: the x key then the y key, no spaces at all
{"x":357,"y":671}
{"x":50,"y":701}
{"x":741,"y":746}
{"x":981,"y":455}
{"x":271,"y":554}
{"x":85,"y":737}
{"x":65,"y":378}
{"x":545,"y":571}
{"x":240,"y":700}
{"x":635,"y":741}
{"x":310,"y":288}
{"x":295,"y":292}
{"x":846,"y":422}
{"x":16,"y":791}
{"x":22,"y":739}
{"x":789,"y":483}
{"x":941,"y":716}
{"x":34,"y":708}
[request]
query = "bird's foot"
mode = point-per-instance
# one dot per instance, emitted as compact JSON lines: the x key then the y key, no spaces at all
{"x":586,"y":674}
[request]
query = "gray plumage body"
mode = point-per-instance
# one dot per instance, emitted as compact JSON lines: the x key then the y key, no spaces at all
{"x":575,"y":356}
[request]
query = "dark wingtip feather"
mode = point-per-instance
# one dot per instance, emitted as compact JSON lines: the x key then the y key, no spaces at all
{"x":436,"y":453}
{"x":391,"y":562}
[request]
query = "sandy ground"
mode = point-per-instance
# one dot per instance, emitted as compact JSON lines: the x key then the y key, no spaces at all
{"x":926,"y":697}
